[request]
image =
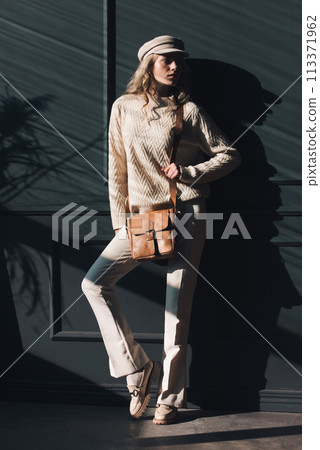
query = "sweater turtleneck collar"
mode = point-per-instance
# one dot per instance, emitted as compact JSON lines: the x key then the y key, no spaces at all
{"x":159,"y":101}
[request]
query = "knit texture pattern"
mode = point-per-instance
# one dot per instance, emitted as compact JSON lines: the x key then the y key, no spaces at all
{"x":140,"y":140}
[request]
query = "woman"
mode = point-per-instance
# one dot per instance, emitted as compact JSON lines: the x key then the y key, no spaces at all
{"x":141,"y":133}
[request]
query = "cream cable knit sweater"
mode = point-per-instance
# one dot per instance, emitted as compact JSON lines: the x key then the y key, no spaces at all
{"x":140,"y":140}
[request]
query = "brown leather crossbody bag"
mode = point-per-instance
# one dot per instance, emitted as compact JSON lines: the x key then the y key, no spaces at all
{"x":151,"y":233}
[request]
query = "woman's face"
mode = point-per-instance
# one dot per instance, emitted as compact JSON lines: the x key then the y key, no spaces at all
{"x":167,"y":68}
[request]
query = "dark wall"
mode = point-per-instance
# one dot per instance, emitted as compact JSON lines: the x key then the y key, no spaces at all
{"x":70,"y":60}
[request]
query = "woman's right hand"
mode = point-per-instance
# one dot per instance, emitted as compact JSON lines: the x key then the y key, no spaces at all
{"x":116,"y":231}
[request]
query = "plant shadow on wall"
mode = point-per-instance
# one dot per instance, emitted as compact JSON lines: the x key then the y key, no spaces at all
{"x":20,"y":146}
{"x":24,"y":160}
{"x":229,"y":358}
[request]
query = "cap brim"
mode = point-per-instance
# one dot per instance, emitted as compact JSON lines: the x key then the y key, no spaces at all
{"x":171,"y":50}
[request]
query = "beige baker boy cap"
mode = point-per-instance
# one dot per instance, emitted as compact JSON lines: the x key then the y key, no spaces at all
{"x":161,"y":45}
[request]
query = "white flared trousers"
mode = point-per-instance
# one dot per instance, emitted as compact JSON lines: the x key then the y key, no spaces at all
{"x":125,"y":354}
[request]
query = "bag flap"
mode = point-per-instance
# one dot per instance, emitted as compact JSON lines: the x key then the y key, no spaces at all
{"x":153,"y":220}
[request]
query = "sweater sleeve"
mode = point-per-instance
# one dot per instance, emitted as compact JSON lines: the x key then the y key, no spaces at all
{"x":117,"y":169}
{"x":222,"y":158}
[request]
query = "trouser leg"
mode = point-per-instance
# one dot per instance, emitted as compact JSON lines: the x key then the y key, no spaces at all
{"x":181,"y":283}
{"x":125,"y":354}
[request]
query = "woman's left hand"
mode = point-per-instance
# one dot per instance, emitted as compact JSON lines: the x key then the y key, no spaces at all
{"x":172,"y":171}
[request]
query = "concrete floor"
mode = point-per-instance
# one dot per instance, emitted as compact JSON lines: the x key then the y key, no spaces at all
{"x":39,"y":426}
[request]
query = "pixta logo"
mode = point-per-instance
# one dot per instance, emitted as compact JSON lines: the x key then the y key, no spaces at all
{"x":68,"y":213}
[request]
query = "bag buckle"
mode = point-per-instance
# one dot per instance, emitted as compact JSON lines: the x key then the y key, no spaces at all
{"x":149,"y":234}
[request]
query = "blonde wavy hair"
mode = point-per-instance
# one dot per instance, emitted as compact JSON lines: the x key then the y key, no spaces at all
{"x":141,"y":82}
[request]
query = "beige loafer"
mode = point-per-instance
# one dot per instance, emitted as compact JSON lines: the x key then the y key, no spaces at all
{"x":140,"y":395}
{"x":165,"y":414}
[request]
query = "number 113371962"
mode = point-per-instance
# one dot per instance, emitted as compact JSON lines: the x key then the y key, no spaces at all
{"x":311,"y":48}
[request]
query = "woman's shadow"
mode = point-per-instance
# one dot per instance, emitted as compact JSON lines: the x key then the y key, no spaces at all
{"x":229,"y":357}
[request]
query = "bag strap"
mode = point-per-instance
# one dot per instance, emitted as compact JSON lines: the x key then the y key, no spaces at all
{"x":176,"y":140}
{"x":177,"y":133}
